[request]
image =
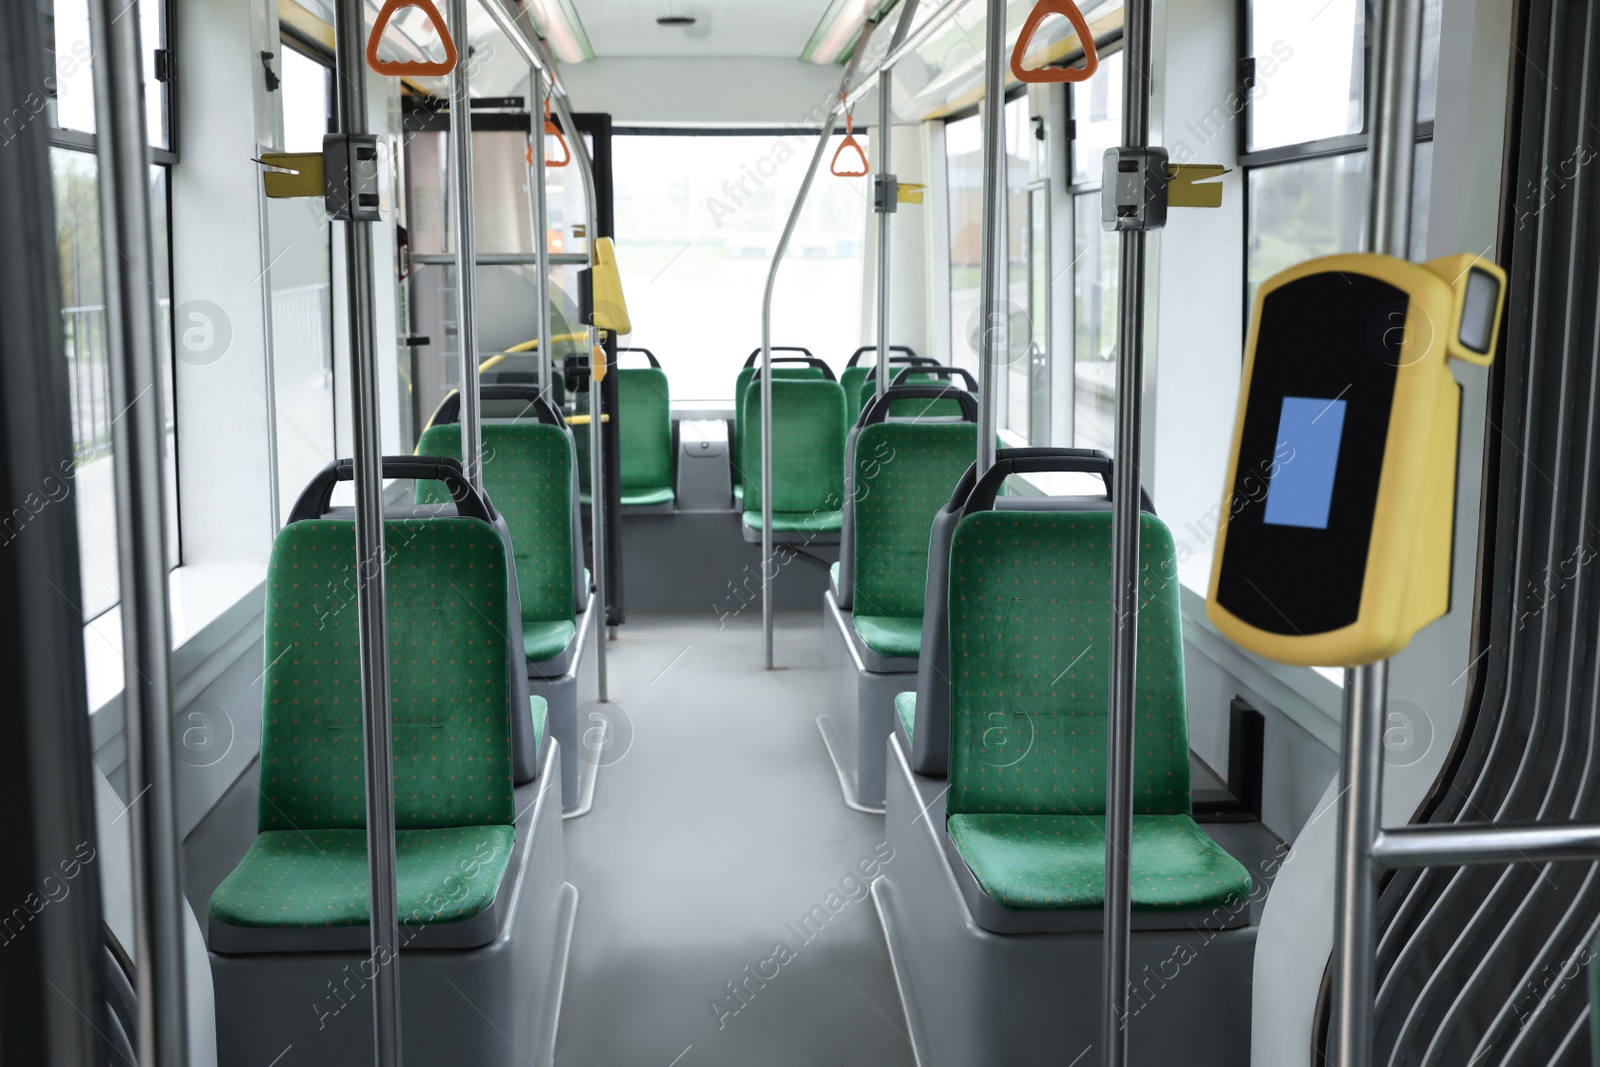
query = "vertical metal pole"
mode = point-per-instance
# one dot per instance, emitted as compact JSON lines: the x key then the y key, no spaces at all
{"x":1393,"y":121}
{"x":1356,"y":890}
{"x":541,"y":226}
{"x":597,"y":464}
{"x":372,"y":598}
{"x":886,"y":169}
{"x":138,"y":436}
{"x":885,"y":232}
{"x":766,"y":384}
{"x":466,"y":253}
{"x":992,"y":311}
{"x":826,"y":132}
{"x":1125,"y":562}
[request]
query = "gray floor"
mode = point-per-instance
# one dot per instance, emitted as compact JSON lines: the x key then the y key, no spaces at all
{"x":711,"y":838}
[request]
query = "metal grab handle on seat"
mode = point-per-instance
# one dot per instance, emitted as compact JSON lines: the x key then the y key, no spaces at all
{"x":810,"y":361}
{"x":878,"y":410}
{"x":651,"y":356}
{"x":939,"y":372}
{"x":909,"y":355}
{"x":751,"y":362}
{"x":318,"y":495}
{"x":449,"y":410}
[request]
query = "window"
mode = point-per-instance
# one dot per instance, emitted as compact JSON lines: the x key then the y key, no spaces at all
{"x":76,"y":180}
{"x":1306,"y":168}
{"x":300,"y":292}
{"x":1016,"y":401}
{"x":1317,"y":207}
{"x":699,"y":217}
{"x":1097,"y":126}
{"x":963,"y":159}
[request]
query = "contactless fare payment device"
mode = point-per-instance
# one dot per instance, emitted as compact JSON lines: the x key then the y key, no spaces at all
{"x":1336,"y":532}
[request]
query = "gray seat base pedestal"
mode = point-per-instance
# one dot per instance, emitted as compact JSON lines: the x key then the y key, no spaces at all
{"x":320,"y":1003}
{"x":566,"y":694}
{"x":861,"y":710}
{"x":975,"y":998}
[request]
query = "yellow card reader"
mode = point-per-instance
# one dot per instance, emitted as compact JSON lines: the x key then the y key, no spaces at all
{"x":1336,"y":535}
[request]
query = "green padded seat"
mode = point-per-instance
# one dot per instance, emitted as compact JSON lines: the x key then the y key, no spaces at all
{"x":527,"y":474}
{"x":798,"y":521}
{"x":446,"y":582}
{"x":905,"y":472}
{"x":741,"y":391}
{"x":541,"y":714}
{"x":808,"y":438}
{"x":889,"y":635}
{"x":646,"y":436}
{"x":905,"y":706}
{"x":1029,"y":622}
{"x":542,"y":640}
{"x":1059,"y":861}
{"x":645,"y":430}
{"x":300,"y":879}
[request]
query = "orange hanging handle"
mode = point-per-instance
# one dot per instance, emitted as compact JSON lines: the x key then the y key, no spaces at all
{"x":1049,"y":75}
{"x":550,"y":128}
{"x":395,"y":68}
{"x":850,"y":143}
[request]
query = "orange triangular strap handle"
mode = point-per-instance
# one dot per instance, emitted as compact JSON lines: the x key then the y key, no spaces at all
{"x":394,"y":68}
{"x":1041,"y":75}
{"x":550,"y":127}
{"x":850,"y":142}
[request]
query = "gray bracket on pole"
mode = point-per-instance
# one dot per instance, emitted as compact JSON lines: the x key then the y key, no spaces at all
{"x":1134,"y":184}
{"x":885,"y":194}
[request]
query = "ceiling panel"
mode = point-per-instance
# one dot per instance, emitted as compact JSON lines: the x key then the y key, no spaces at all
{"x":777,"y":28}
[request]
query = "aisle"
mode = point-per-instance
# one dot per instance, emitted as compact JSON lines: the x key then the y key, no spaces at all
{"x":720,"y":851}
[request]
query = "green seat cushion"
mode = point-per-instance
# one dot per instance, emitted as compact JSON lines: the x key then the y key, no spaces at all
{"x":833,"y":573}
{"x":527,"y":472}
{"x":1058,"y":861}
{"x":314,"y":878}
{"x":540,"y":709}
{"x":808,"y":443}
{"x":905,"y":706}
{"x":889,"y":635}
{"x":798,"y":521}
{"x":450,"y":711}
{"x":542,"y":640}
{"x":738,"y":493}
{"x":636,"y":498}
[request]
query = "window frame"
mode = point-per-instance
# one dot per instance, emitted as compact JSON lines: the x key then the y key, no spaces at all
{"x":79,"y":141}
{"x":87,"y":143}
{"x":1076,"y":190}
{"x":1320,"y":148}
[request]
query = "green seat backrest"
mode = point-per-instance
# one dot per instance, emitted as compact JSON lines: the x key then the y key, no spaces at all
{"x":527,"y":473}
{"x":741,"y":389}
{"x":1030,"y":631}
{"x":851,"y":379}
{"x":905,"y":472}
{"x":808,"y":436}
{"x":446,"y":584}
{"x":910,"y":409}
{"x":646,"y":429}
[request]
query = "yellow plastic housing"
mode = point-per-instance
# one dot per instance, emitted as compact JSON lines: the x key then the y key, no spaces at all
{"x":610,"y":308}
{"x":1407,"y":582}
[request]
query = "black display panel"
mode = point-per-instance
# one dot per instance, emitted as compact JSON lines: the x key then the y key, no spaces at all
{"x":1327,"y":354}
